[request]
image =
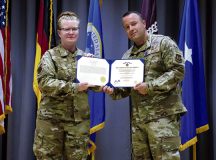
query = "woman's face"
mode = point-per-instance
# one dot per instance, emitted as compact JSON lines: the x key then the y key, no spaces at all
{"x":69,"y":31}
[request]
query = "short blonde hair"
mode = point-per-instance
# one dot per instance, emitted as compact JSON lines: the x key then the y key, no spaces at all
{"x":67,"y":15}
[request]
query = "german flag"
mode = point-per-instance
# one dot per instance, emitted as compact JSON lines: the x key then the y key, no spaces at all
{"x":43,"y":38}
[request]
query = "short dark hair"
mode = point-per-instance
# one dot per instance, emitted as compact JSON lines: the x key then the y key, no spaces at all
{"x":130,"y":12}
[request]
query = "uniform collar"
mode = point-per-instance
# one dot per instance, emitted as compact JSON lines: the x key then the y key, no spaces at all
{"x":64,"y":52}
{"x":144,"y":47}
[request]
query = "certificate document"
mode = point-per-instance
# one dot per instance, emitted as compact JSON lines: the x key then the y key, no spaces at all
{"x":117,"y":73}
{"x":127,"y":73}
{"x":95,"y":71}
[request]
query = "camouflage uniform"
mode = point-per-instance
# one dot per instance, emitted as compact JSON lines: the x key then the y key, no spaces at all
{"x":62,"y":126}
{"x":155,"y":116}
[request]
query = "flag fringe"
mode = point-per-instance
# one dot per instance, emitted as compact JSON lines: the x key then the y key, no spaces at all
{"x":193,"y":141}
{"x":202,"y":129}
{"x":2,"y":117}
{"x":8,"y":109}
{"x":93,"y":147}
{"x":2,"y":130}
{"x":97,"y":128}
{"x":188,"y":144}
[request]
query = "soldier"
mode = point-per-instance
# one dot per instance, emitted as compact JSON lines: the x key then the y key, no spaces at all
{"x":156,"y":102}
{"x":63,"y":119}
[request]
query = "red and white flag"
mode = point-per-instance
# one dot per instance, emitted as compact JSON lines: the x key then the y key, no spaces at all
{"x":5,"y":64}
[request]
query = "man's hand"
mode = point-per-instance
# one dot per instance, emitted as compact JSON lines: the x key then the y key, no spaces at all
{"x":142,"y":88}
{"x":108,"y":90}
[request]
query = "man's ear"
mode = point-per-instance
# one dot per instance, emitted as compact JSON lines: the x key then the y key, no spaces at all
{"x":144,"y":22}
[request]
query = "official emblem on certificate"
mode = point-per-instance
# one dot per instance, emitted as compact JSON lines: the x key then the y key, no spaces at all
{"x":117,"y":73}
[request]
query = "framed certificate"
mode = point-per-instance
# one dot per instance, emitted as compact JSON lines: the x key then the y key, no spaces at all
{"x":95,"y":71}
{"x":127,"y":73}
{"x":117,"y":73}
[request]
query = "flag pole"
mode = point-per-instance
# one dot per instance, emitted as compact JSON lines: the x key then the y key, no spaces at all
{"x":194,"y":151}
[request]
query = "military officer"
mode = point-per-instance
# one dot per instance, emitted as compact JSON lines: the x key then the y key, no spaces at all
{"x":63,"y":118}
{"x":156,"y":102}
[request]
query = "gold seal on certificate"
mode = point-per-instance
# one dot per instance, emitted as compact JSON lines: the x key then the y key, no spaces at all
{"x":95,"y":71}
{"x":126,"y":73}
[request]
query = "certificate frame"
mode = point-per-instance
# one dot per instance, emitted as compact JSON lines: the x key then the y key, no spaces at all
{"x":94,"y":71}
{"x":127,"y":73}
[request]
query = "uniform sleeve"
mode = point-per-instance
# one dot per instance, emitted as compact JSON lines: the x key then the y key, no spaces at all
{"x":49,"y":84}
{"x":96,"y":88}
{"x":174,"y":68}
{"x":120,"y":93}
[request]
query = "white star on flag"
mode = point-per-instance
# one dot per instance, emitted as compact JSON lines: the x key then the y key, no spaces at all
{"x":188,"y":54}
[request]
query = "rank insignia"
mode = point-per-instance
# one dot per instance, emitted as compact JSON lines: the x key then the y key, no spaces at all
{"x":178,"y":58}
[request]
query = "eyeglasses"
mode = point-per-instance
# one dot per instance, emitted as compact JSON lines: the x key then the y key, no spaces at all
{"x":67,"y":30}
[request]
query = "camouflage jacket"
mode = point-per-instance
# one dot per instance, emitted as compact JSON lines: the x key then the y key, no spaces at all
{"x":163,"y":72}
{"x":56,"y":78}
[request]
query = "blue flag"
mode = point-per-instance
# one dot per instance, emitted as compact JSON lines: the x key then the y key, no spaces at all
{"x":193,"y":86}
{"x":95,"y":46}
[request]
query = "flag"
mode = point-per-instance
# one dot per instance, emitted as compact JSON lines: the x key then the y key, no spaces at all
{"x":5,"y":92}
{"x":44,"y":38}
{"x":7,"y":64}
{"x":2,"y":114}
{"x":148,"y":13}
{"x":94,"y":45}
{"x":193,"y":86}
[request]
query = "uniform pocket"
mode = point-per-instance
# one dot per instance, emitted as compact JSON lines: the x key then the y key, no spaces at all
{"x":170,"y":143}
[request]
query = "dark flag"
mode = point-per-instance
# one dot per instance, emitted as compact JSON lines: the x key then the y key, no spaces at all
{"x":149,"y":15}
{"x":43,"y":38}
{"x":193,"y":86}
{"x":95,"y":46}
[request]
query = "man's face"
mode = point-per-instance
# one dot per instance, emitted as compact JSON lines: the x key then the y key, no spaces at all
{"x":69,"y":31}
{"x":135,"y":27}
